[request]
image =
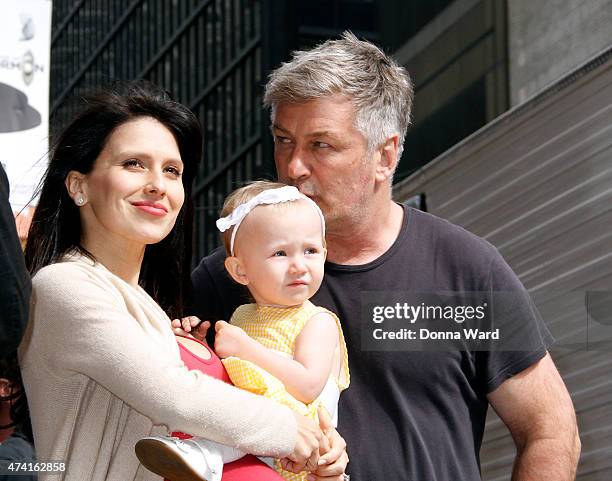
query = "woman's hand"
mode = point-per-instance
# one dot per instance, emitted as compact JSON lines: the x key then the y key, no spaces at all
{"x":332,"y":464}
{"x":190,"y":326}
{"x":310,"y":441}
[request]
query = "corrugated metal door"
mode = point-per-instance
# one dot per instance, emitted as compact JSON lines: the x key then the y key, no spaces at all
{"x":537,"y":183}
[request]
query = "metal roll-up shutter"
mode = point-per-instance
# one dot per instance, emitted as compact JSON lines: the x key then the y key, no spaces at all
{"x":537,"y":184}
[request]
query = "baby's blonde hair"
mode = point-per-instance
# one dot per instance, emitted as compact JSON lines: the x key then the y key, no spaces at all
{"x":241,"y":196}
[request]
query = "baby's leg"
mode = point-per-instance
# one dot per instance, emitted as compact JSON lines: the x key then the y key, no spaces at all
{"x":228,"y":454}
{"x":185,"y":459}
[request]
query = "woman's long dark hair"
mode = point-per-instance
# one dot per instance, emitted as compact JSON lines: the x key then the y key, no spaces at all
{"x":56,"y":225}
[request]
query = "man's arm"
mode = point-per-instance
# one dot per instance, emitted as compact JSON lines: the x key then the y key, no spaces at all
{"x":216,"y":294}
{"x":216,"y":297}
{"x":15,"y":285}
{"x":539,"y":413}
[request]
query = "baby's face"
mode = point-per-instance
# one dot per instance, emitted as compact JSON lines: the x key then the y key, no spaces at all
{"x":281,"y":251}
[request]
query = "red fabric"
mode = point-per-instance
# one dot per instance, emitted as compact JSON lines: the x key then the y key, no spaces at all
{"x":213,"y":366}
{"x":248,"y":468}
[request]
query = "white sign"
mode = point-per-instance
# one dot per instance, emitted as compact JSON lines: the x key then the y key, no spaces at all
{"x":25,"y":44}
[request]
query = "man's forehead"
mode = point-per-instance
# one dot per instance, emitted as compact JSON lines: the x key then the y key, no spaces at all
{"x":319,"y":116}
{"x":333,"y":101}
{"x":314,"y":130}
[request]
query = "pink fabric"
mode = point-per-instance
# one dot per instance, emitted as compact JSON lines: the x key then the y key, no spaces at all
{"x":248,"y":468}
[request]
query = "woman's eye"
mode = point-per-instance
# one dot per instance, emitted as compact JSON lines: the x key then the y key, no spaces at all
{"x":279,"y":254}
{"x":174,"y":171}
{"x":132,"y":163}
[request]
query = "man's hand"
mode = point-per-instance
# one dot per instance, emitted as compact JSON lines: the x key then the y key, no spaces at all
{"x":231,"y":340}
{"x":310,"y":441}
{"x":190,"y":326}
{"x":332,"y":463}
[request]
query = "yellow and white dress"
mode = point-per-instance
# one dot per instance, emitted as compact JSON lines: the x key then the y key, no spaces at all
{"x":277,"y":328}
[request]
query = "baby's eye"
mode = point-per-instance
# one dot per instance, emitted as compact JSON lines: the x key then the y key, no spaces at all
{"x":311,"y":250}
{"x":279,"y":254}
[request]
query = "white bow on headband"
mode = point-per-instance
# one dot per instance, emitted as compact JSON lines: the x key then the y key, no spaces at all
{"x":272,"y":196}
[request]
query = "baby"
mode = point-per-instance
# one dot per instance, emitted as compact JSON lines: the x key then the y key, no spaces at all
{"x":281,"y":346}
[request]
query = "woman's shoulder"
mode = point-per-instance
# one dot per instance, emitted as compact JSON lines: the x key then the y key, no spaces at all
{"x":61,"y":271}
{"x":71,"y":275}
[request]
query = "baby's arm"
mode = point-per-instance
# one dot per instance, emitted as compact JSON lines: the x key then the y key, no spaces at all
{"x":305,"y":375}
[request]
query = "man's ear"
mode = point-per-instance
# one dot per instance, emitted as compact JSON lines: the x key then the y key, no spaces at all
{"x":75,"y":184}
{"x":236,"y":269}
{"x":388,"y":159}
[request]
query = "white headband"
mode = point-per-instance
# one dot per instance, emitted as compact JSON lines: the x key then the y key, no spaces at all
{"x":272,"y":196}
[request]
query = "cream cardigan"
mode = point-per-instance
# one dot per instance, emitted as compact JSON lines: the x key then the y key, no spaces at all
{"x":101,"y":367}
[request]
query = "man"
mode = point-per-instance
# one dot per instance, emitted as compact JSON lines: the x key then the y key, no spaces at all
{"x":339,"y":117}
{"x":15,"y":284}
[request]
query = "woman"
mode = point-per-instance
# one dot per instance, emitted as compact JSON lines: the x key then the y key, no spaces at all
{"x":100,"y":363}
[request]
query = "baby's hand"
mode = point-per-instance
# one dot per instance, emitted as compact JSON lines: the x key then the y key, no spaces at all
{"x":190,"y":326}
{"x":230,"y":340}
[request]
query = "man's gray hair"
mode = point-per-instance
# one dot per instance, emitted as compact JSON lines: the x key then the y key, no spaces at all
{"x":379,"y":88}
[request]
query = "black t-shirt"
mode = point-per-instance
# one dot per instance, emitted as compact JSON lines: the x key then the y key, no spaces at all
{"x":408,"y":415}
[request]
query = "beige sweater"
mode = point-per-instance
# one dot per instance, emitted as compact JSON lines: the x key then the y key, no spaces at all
{"x":101,"y":366}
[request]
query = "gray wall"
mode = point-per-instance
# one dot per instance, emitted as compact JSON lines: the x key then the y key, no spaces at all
{"x":537,"y":183}
{"x":465,"y":42}
{"x":548,"y":38}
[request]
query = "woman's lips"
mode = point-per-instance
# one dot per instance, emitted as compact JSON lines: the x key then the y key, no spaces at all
{"x":155,"y":209}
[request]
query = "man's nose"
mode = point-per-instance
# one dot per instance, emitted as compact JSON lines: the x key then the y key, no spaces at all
{"x":298,"y":167}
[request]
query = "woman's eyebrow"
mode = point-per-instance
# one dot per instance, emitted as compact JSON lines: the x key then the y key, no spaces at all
{"x":144,"y":155}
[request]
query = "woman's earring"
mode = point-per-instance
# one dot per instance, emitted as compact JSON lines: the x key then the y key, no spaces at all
{"x":80,"y":201}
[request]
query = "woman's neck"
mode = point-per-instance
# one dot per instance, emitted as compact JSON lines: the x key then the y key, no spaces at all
{"x":124,"y":259}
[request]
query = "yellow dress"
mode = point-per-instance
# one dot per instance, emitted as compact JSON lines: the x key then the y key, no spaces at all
{"x":277,"y":328}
